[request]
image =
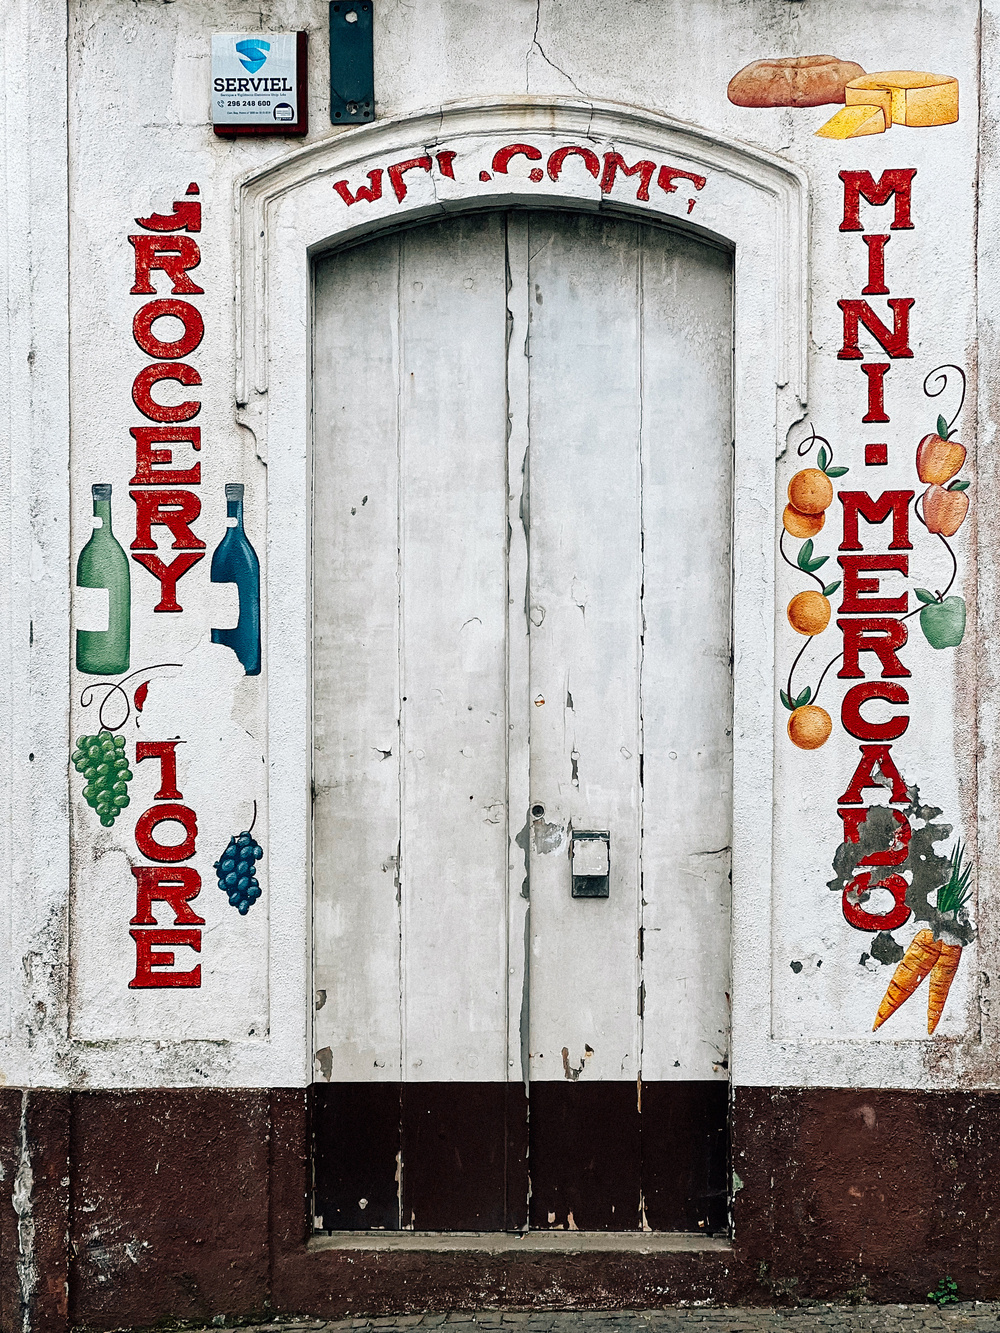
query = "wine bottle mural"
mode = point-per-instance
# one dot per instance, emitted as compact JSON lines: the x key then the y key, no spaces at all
{"x":103,"y":565}
{"x":235,"y":561}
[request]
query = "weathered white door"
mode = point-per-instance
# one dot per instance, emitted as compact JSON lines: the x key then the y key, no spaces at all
{"x":522,"y":476}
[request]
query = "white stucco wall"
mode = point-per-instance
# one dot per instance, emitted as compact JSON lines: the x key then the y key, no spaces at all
{"x":106,"y":120}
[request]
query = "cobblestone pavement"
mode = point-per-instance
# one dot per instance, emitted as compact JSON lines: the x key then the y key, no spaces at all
{"x":965,"y":1317}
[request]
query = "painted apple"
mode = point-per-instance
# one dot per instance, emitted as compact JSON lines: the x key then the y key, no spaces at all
{"x":945,"y":510}
{"x":938,"y":459}
{"x":943,"y":623}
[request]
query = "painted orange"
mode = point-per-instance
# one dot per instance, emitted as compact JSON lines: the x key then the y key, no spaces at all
{"x":939,"y":460}
{"x":801,"y":525}
{"x":810,"y":491}
{"x":809,"y":727}
{"x":809,"y":612}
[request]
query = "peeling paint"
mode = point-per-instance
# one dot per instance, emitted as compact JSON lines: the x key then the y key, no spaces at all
{"x":546,"y":837}
{"x":924,"y":869}
{"x":21,"y":1198}
{"x":324,"y":1058}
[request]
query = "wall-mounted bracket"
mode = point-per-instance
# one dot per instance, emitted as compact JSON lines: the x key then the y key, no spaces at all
{"x":352,"y":62}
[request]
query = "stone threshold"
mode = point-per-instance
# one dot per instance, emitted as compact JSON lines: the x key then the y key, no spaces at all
{"x":529,"y":1242}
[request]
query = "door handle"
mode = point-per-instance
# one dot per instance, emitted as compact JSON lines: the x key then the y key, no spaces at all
{"x":590,"y":862}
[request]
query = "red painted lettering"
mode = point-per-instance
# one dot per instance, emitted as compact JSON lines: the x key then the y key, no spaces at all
{"x":166,"y":752}
{"x":150,"y":819}
{"x":861,"y":503}
{"x":147,"y":315}
{"x":165,"y":370}
{"x":894,"y":184}
{"x":667,"y":176}
{"x":366,"y":193}
{"x":396,"y":174}
{"x":185,"y":217}
{"x":614,"y":162}
{"x":174,"y":255}
{"x":876,"y":372}
{"x":880,"y":635}
{"x":151,"y":465}
{"x":556,"y":160}
{"x":876,"y":265}
{"x":168,"y":575}
{"x":860,"y":595}
{"x":859,"y":727}
{"x":502,"y":157}
{"x":895,"y":343}
{"x":146,"y":958}
{"x":174,"y":510}
{"x":874,"y":759}
{"x":175,"y":886}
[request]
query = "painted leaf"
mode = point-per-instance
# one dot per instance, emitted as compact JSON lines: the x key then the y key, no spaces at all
{"x":924,"y":596}
{"x":805,"y":554}
{"x":813,"y":565}
{"x":785,"y":700}
{"x":943,"y":623}
{"x":831,"y":588}
{"x":804,"y":697}
{"x":837,"y":471}
{"x":958,"y":486}
{"x":822,"y":458}
{"x":942,"y":428}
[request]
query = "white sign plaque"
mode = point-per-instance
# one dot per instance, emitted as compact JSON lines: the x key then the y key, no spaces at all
{"x":254,"y":78}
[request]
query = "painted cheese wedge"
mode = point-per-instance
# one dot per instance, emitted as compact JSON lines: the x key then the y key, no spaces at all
{"x":851,"y":122}
{"x":913,"y":98}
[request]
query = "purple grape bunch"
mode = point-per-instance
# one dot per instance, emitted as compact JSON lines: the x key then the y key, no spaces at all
{"x":237,"y":871}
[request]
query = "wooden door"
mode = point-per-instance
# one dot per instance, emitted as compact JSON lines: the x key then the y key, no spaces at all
{"x":522,"y":463}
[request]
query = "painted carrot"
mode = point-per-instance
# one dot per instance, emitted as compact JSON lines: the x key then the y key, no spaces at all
{"x":952,"y":897}
{"x":918,"y":960}
{"x":942,"y":975}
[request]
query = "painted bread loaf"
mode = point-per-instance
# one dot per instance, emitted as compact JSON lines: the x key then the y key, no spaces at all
{"x":793,"y":81}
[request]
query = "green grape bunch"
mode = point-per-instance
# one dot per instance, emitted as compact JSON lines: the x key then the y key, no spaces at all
{"x":101,"y":760}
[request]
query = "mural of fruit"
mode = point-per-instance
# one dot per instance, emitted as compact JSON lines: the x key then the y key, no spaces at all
{"x":939,"y":457}
{"x":809,"y":727}
{"x":943,"y":622}
{"x":809,"y":613}
{"x":810,"y":491}
{"x":798,"y":524}
{"x":944,"y":509}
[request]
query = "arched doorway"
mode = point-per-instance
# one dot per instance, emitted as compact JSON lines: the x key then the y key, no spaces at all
{"x":522,"y":725}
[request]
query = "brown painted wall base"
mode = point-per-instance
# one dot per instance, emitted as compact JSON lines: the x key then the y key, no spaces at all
{"x":129,"y":1208}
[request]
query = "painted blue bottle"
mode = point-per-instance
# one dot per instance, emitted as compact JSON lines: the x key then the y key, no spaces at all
{"x":235,"y":561}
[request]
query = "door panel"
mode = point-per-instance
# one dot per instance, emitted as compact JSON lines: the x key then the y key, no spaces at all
{"x":584,"y":425}
{"x":522,"y":458}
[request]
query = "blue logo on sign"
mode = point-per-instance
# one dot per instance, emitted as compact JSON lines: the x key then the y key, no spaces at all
{"x":253,"y":53}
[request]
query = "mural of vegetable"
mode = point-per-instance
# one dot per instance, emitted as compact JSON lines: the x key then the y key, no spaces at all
{"x":101,"y":759}
{"x":939,"y":958}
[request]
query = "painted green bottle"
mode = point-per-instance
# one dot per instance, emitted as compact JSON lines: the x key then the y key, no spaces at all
{"x":103,"y":564}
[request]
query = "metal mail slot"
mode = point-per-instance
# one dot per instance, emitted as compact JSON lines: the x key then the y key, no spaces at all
{"x":590,"y":861}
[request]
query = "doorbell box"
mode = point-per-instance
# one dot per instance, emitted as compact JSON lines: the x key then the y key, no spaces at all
{"x":259,"y":83}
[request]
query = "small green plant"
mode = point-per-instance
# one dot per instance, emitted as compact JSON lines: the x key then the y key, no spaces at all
{"x":945,"y":1293}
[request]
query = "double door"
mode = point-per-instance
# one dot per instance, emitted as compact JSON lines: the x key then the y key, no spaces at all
{"x":522,"y":726}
